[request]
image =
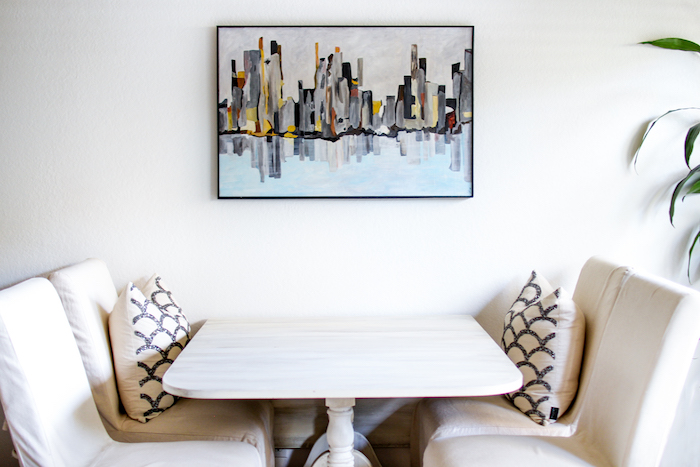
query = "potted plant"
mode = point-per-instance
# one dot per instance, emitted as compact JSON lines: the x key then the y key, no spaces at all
{"x":690,"y":183}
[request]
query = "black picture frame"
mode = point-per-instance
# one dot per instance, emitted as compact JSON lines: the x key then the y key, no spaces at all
{"x":345,"y":111}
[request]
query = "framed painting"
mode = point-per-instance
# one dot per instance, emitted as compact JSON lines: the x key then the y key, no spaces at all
{"x":345,"y":112}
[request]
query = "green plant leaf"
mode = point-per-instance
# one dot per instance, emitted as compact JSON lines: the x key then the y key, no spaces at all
{"x":694,"y":189}
{"x":678,"y":189}
{"x":690,"y":253}
{"x":651,"y":126}
{"x":675,"y":44}
{"x":690,"y":142}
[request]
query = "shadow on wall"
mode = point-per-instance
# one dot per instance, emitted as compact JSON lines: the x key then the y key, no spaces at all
{"x":492,"y":315}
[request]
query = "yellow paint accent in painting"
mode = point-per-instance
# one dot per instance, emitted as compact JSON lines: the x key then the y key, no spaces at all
{"x":262,"y":57}
{"x":289,"y":135}
{"x":376,"y":106}
{"x":467,"y":114}
{"x":266,"y":95}
{"x":266,"y":126}
{"x":317,"y":61}
{"x":251,"y":115}
{"x":291,"y":128}
{"x":318,"y":125}
{"x":435,"y":111}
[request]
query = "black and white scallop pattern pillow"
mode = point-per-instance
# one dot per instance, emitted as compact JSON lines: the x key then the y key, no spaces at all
{"x":148,"y":331}
{"x":543,"y":335}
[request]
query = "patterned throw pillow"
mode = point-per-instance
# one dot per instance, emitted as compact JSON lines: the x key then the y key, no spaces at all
{"x":148,"y":331}
{"x":543,"y":335}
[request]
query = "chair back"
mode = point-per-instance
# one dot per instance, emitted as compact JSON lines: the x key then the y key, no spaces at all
{"x":643,"y":359}
{"x":45,"y":394}
{"x":88,"y":295}
{"x":596,"y":291}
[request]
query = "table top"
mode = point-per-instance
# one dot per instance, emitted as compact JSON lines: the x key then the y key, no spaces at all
{"x":436,"y":356}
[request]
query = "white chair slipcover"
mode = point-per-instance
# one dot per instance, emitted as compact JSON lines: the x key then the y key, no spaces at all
{"x":48,"y":403}
{"x":597,"y":289}
{"x":88,"y":295}
{"x":636,"y":364}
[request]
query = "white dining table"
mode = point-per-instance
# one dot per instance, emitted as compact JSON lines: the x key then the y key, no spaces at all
{"x":340,"y":360}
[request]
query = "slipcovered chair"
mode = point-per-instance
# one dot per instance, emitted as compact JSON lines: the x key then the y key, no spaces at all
{"x":49,"y":406}
{"x":596,"y":291}
{"x":88,"y":295}
{"x":626,"y":408}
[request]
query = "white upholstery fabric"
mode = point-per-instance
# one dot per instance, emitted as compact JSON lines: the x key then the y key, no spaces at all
{"x":632,"y":390}
{"x":470,"y":416}
{"x":180,"y":454}
{"x":146,"y":338}
{"x":543,"y":335}
{"x":598,"y":286}
{"x":520,"y":451}
{"x":88,"y":294}
{"x":48,"y":402}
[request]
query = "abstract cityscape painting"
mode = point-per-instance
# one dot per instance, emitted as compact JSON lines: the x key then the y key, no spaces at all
{"x":345,"y":112}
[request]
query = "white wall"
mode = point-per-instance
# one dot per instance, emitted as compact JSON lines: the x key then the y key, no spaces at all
{"x":108,"y":149}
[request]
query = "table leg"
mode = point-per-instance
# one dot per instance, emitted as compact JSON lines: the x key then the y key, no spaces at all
{"x":336,"y":448}
{"x":340,"y":433}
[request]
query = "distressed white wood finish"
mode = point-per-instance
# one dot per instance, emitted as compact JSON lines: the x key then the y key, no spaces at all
{"x":359,"y":460}
{"x":340,"y":360}
{"x":363,"y":453}
{"x":439,"y":356}
{"x":385,"y":422}
{"x":340,"y":434}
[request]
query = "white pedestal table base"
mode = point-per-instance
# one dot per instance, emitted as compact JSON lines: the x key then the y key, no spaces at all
{"x":341,"y":446}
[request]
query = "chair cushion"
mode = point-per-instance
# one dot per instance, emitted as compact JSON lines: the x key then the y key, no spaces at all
{"x":543,"y":335}
{"x":148,"y":331}
{"x":521,"y":451}
{"x":180,"y":454}
{"x":204,"y":419}
{"x":488,"y":415}
{"x":249,"y":421}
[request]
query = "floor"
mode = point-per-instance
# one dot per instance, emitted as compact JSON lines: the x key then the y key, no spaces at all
{"x":389,"y":457}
